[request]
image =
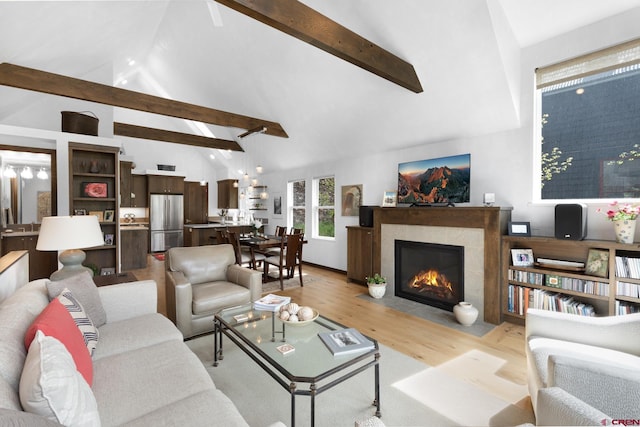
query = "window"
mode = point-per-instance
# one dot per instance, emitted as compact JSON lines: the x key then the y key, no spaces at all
{"x":296,"y":209}
{"x":324,"y":207}
{"x":590,"y":132}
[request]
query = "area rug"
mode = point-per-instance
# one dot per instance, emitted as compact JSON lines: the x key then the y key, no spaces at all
{"x":412,"y":393}
{"x":294,"y":282}
{"x":427,"y":312}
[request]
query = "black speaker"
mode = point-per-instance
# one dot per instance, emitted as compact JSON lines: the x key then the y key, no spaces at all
{"x":366,"y":216}
{"x":571,"y":221}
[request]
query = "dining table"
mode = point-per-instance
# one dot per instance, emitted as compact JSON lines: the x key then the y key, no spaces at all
{"x":262,"y":244}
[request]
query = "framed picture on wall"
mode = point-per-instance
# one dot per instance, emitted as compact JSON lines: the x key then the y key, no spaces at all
{"x":351,"y":199}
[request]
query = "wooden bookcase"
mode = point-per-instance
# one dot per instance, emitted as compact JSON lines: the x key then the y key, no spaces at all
{"x":89,"y":164}
{"x":600,"y":292}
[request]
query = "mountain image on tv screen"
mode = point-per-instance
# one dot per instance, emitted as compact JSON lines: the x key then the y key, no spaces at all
{"x":441,"y":180}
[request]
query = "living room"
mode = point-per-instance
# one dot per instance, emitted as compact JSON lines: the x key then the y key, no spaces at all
{"x":341,"y":121}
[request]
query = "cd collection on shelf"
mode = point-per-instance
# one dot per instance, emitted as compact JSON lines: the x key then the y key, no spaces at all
{"x":520,"y":298}
{"x":592,"y":287}
{"x":628,"y":289}
{"x":628,"y":267}
{"x":623,"y":307}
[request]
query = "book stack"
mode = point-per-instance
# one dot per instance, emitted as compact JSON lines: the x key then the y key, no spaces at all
{"x":271,"y":302}
{"x":521,"y":298}
{"x":345,"y":341}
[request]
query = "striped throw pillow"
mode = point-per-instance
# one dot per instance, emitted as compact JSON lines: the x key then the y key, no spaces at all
{"x":84,"y":323}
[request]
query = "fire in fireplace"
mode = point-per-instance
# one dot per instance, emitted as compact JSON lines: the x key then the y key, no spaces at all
{"x":429,"y":273}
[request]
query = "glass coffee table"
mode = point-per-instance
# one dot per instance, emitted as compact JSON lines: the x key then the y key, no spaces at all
{"x":308,"y":370}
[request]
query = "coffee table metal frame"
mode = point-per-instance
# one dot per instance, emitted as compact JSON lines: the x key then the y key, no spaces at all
{"x":351,"y":364}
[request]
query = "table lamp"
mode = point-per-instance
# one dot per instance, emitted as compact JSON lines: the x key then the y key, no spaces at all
{"x":69,"y":234}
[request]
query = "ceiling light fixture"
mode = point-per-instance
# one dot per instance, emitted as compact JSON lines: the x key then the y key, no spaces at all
{"x":9,"y":172}
{"x":259,"y":169}
{"x":26,"y":173}
{"x":42,"y":174}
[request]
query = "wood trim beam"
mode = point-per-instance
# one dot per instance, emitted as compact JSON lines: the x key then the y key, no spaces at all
{"x":308,"y":25}
{"x":70,"y":87}
{"x":133,"y":131}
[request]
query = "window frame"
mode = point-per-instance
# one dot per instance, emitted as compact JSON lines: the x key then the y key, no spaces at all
{"x":315,"y":198}
{"x":564,"y":72}
{"x":290,"y":203}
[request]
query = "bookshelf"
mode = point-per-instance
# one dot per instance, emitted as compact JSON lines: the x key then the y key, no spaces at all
{"x":94,"y":164}
{"x":565,"y":288}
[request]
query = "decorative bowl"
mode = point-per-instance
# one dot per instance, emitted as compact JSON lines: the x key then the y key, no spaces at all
{"x":302,"y":322}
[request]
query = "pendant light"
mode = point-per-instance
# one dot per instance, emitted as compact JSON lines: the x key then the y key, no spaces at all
{"x":42,"y":174}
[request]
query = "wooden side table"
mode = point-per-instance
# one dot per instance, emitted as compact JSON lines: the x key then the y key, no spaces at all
{"x":113,"y":279}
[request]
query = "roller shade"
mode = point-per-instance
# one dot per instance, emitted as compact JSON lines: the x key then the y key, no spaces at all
{"x":611,"y":58}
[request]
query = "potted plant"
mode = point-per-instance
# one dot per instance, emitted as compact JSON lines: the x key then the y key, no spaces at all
{"x":377,"y":285}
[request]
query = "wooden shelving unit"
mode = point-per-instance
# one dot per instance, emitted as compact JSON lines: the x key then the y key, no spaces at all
{"x":96,"y":164}
{"x":600,"y":292}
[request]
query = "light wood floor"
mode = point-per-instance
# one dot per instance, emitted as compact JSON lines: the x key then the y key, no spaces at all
{"x":429,"y":342}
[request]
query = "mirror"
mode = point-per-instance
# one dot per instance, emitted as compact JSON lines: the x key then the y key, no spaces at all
{"x":28,"y":184}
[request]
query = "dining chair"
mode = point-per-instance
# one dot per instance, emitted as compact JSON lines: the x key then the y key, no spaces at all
{"x":280,"y":232}
{"x":222,"y":237}
{"x":244,"y":256}
{"x":288,"y":259}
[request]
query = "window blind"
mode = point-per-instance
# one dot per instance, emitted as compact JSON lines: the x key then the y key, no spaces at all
{"x":611,"y":58}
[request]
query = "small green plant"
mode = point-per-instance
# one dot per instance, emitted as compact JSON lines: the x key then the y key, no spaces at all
{"x":376,"y":279}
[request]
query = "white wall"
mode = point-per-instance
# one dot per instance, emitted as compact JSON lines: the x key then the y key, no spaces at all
{"x":501,"y":163}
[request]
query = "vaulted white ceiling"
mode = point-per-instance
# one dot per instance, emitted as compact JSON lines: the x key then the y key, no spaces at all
{"x":464,"y":52}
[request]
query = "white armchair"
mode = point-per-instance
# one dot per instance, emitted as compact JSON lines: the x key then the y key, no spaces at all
{"x":582,"y":370}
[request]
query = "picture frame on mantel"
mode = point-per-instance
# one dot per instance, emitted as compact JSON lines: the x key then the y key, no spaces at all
{"x":389,"y":199}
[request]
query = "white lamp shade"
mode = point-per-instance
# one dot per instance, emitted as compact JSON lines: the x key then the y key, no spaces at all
{"x":59,"y":233}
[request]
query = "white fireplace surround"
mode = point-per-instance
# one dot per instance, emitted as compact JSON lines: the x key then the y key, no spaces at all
{"x":472,"y":239}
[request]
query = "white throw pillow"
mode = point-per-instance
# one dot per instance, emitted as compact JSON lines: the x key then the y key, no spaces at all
{"x":52,"y":387}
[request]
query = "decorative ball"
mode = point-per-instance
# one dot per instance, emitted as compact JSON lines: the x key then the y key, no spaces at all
{"x":293,"y":318}
{"x":305,"y":313}
{"x":284,"y":315}
{"x":292,"y":308}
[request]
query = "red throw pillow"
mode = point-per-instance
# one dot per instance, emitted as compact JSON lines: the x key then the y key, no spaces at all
{"x":55,"y":321}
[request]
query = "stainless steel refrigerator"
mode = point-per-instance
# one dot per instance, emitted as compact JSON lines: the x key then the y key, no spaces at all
{"x":166,"y":220}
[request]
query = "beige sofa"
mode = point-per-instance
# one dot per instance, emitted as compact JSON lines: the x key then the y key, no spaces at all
{"x":583,"y":370}
{"x":143,"y":373}
{"x":202,"y":280}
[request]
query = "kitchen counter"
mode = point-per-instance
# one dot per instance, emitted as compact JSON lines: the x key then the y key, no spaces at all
{"x":129,"y":227}
{"x":19,"y":233}
{"x":205,"y":234}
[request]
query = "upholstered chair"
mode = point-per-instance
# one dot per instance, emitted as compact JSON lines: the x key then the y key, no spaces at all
{"x":202,"y":280}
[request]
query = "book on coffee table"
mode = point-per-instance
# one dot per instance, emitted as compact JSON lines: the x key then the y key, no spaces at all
{"x":345,"y":341}
{"x":271,"y":302}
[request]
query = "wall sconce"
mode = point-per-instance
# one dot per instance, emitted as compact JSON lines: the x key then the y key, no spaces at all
{"x":26,"y":173}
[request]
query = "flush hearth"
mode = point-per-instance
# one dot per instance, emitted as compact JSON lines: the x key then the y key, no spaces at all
{"x":429,"y":273}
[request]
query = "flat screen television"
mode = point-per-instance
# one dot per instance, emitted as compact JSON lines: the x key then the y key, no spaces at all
{"x":444,"y":180}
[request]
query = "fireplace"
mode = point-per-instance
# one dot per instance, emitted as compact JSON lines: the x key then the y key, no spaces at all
{"x":429,"y":273}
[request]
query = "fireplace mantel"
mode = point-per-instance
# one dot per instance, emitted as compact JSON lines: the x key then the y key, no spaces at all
{"x":493,"y":220}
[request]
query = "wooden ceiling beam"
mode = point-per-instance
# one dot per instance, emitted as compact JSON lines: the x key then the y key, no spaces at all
{"x":308,"y":25}
{"x":134,"y":131}
{"x":70,"y":87}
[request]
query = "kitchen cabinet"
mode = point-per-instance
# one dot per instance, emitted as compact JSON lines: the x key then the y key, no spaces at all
{"x":126,"y":187}
{"x":134,"y":246}
{"x":164,"y":184}
{"x":196,"y":203}
{"x":139,"y":185}
{"x":96,"y":164}
{"x":41,"y":263}
{"x":359,"y":253}
{"x":227,"y":194}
